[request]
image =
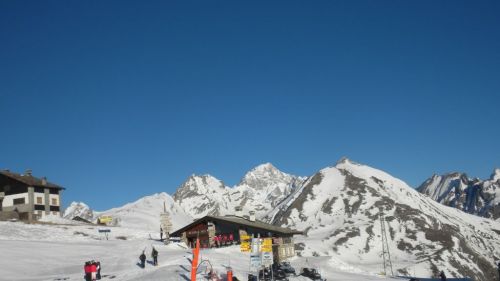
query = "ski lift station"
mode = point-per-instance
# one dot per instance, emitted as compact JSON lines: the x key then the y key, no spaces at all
{"x":219,"y":231}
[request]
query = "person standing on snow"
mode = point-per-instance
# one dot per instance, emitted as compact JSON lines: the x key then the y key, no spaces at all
{"x":442,"y":275}
{"x":93,"y":270}
{"x":154,"y":254}
{"x":88,"y":272}
{"x":142,"y":258}
{"x":498,"y":268}
{"x":98,"y":267}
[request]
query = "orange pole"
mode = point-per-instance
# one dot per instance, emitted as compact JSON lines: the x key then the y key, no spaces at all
{"x":229,"y":274}
{"x":194,"y":263}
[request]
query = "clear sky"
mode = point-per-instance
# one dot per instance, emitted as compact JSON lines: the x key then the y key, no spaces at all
{"x":116,"y":100}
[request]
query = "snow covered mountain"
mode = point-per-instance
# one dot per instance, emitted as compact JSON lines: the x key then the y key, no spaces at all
{"x":79,"y":209}
{"x":142,"y":214}
{"x":203,"y":195}
{"x":339,"y":209}
{"x":260,"y":190}
{"x":145,"y":213}
{"x":473,"y":196}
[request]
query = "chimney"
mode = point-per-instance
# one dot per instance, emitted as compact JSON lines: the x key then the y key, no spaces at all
{"x":28,"y":172}
{"x":252,"y":215}
{"x":238,"y":211}
{"x":44,"y":181}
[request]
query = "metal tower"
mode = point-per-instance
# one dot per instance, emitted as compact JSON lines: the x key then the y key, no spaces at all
{"x":385,"y":246}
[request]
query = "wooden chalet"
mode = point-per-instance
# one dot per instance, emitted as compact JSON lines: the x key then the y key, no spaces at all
{"x":216,"y":231}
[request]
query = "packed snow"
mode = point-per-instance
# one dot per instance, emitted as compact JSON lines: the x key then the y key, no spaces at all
{"x":58,"y":252}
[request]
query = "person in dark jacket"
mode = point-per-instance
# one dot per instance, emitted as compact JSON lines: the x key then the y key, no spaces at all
{"x":154,"y":254}
{"x":142,"y":258}
{"x":98,"y":266}
{"x":443,"y":276}
{"x":88,"y":271}
{"x":498,"y":268}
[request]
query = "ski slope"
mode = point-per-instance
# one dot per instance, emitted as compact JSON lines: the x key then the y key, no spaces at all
{"x":58,"y":252}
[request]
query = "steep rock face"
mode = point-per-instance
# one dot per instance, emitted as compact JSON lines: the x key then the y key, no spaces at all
{"x":262,"y":188}
{"x":259,"y":190}
{"x":79,"y":209}
{"x":203,"y":195}
{"x":339,"y":209}
{"x":473,"y":196}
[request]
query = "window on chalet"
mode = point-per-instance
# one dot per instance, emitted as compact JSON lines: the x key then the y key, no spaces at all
{"x":39,"y":200}
{"x":54,"y":191}
{"x":54,"y":208}
{"x":40,"y":207}
{"x":54,"y":201}
{"x":39,"y":189}
{"x":19,"y":201}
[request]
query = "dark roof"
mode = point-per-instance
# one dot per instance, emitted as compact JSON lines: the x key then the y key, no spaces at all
{"x":30,"y":180}
{"x":240,"y":221}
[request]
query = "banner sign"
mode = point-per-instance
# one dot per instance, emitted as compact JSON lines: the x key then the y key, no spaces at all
{"x":255,"y":245}
{"x":267,"y":245}
{"x":255,"y":261}
{"x":267,"y":258}
{"x":245,"y":246}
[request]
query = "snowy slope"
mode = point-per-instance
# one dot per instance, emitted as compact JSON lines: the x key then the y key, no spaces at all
{"x":58,"y":252}
{"x":260,"y":190}
{"x":339,"y":209}
{"x":473,"y":196}
{"x":145,"y":213}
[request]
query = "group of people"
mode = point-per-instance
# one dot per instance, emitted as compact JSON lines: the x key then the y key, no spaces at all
{"x":223,"y":240}
{"x":154,"y":255}
{"x":92,"y":270}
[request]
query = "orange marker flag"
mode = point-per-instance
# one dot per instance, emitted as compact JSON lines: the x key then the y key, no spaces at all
{"x":194,"y":263}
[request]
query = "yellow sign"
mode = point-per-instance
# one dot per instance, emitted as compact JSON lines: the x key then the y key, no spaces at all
{"x":245,"y":243}
{"x":245,"y":247}
{"x":267,"y":245}
{"x":105,"y":219}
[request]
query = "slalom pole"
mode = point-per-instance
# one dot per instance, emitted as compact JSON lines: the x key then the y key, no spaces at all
{"x":194,"y":264}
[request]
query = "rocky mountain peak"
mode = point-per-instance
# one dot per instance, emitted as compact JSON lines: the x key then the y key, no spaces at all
{"x":495,"y":176}
{"x":79,"y":209}
{"x":263,"y":176}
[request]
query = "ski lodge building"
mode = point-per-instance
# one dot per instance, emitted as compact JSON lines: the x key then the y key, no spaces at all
{"x":25,"y":197}
{"x":210,"y":230}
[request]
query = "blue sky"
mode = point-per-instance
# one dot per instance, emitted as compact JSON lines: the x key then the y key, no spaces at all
{"x":116,"y":100}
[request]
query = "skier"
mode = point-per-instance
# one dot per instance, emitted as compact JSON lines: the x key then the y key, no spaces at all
{"x":98,"y":267}
{"x":442,"y":275}
{"x":161,"y":234}
{"x":93,"y":270}
{"x":154,"y":254}
{"x":87,"y":270}
{"x":142,"y":257}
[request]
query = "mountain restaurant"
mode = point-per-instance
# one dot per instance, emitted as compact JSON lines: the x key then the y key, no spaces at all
{"x":220,"y":231}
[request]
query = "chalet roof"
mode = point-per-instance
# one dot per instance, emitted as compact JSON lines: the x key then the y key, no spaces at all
{"x":241,"y":221}
{"x":29,"y":180}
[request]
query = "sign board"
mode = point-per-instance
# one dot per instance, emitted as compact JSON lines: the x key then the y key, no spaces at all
{"x":267,"y":245}
{"x":165,"y":222}
{"x":245,"y":246}
{"x":267,"y":258}
{"x":255,"y":245}
{"x":245,"y":243}
{"x":255,"y":261}
{"x":105,"y":231}
{"x":105,"y":219}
